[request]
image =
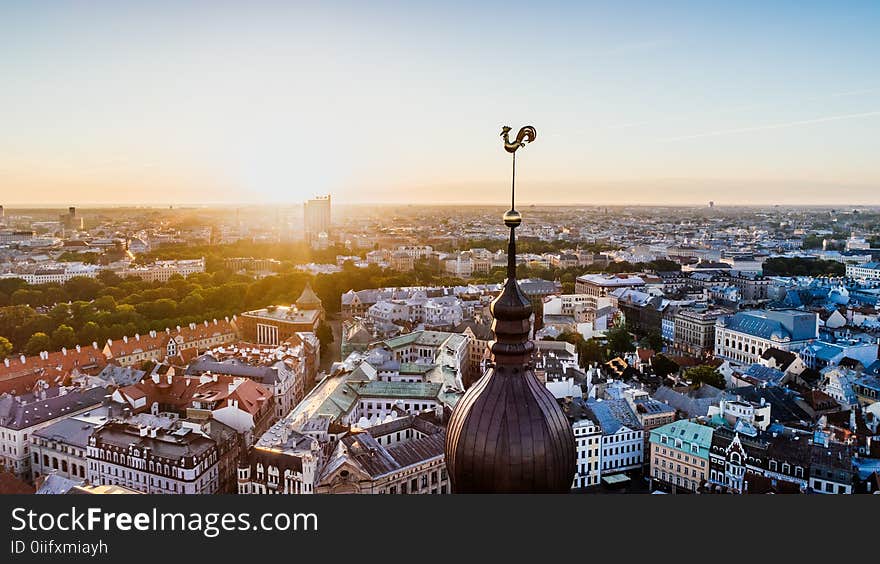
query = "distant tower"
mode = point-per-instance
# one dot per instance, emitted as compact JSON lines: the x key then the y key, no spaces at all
{"x":711,"y":204}
{"x":507,"y":433}
{"x":70,"y":220}
{"x":317,"y":219}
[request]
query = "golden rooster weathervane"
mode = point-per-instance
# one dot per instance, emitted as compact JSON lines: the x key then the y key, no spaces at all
{"x":527,"y":134}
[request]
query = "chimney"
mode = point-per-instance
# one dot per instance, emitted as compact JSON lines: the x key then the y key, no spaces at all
{"x":155,"y":377}
{"x":6,"y":362}
{"x":44,"y":355}
{"x":152,"y":432}
{"x":153,"y":334}
{"x":142,"y":431}
{"x":64,"y":351}
{"x":23,"y":359}
{"x":95,"y":344}
{"x":137,"y":337}
{"x":78,"y":349}
{"x":169,"y":377}
{"x":125,"y":339}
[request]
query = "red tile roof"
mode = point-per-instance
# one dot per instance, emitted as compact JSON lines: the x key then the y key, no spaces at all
{"x":85,"y":359}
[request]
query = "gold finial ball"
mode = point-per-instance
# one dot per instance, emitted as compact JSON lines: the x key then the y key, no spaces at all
{"x":512,"y":218}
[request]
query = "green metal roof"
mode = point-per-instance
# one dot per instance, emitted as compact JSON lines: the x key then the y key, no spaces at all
{"x":685,"y":434}
{"x":427,"y":338}
{"x":410,"y":390}
{"x":415,"y":368}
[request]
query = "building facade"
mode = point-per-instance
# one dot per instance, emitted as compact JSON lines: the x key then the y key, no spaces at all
{"x":153,"y":460}
{"x":743,"y":337}
{"x":680,"y":456}
{"x":588,"y":439}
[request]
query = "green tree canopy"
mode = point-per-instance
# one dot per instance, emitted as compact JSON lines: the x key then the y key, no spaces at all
{"x":705,"y":374}
{"x":5,"y":348}
{"x":653,"y":341}
{"x":63,"y":336}
{"x":619,"y":341}
{"x":325,"y":334}
{"x":38,"y":343}
{"x":89,"y":333}
{"x":663,"y":365}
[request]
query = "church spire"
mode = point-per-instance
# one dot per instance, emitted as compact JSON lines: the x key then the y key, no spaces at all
{"x":512,"y":310}
{"x":508,"y":433}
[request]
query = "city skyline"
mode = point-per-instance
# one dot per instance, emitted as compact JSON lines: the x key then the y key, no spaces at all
{"x":395,"y":103}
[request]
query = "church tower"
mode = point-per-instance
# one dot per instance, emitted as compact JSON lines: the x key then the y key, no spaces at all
{"x":507,"y":433}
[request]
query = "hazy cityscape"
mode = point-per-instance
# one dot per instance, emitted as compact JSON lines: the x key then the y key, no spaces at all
{"x":255,"y":350}
{"x":583,"y":248}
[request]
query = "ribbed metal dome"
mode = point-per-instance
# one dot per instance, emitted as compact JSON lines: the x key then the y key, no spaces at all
{"x":507,"y":433}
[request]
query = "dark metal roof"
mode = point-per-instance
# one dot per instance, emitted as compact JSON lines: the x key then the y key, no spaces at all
{"x":507,"y":433}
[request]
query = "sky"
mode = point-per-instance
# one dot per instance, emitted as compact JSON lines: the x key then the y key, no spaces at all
{"x":273,"y":102}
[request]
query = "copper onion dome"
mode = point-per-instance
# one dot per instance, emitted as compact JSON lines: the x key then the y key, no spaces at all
{"x":508,"y":433}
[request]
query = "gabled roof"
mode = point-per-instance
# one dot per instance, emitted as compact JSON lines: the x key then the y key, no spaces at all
{"x":783,"y":359}
{"x":87,"y":358}
{"x":21,"y":412}
{"x":764,"y":374}
{"x":612,"y":415}
{"x":783,"y":402}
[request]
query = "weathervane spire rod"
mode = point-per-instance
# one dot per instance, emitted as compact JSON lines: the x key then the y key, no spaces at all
{"x":512,"y":218}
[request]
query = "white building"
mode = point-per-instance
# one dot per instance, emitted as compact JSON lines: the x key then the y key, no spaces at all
{"x":623,"y":438}
{"x":55,"y":272}
{"x":588,"y":441}
{"x":60,"y":448}
{"x":744,"y":336}
{"x":23,"y":415}
{"x":736,"y":409}
{"x":868,"y":271}
{"x":163,"y":270}
{"x":461,"y":266}
{"x":153,"y":460}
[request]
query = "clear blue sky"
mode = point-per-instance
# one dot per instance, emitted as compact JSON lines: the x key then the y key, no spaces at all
{"x":634,"y":102}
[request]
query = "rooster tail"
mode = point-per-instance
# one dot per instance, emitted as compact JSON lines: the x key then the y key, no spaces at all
{"x":526,"y":134}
